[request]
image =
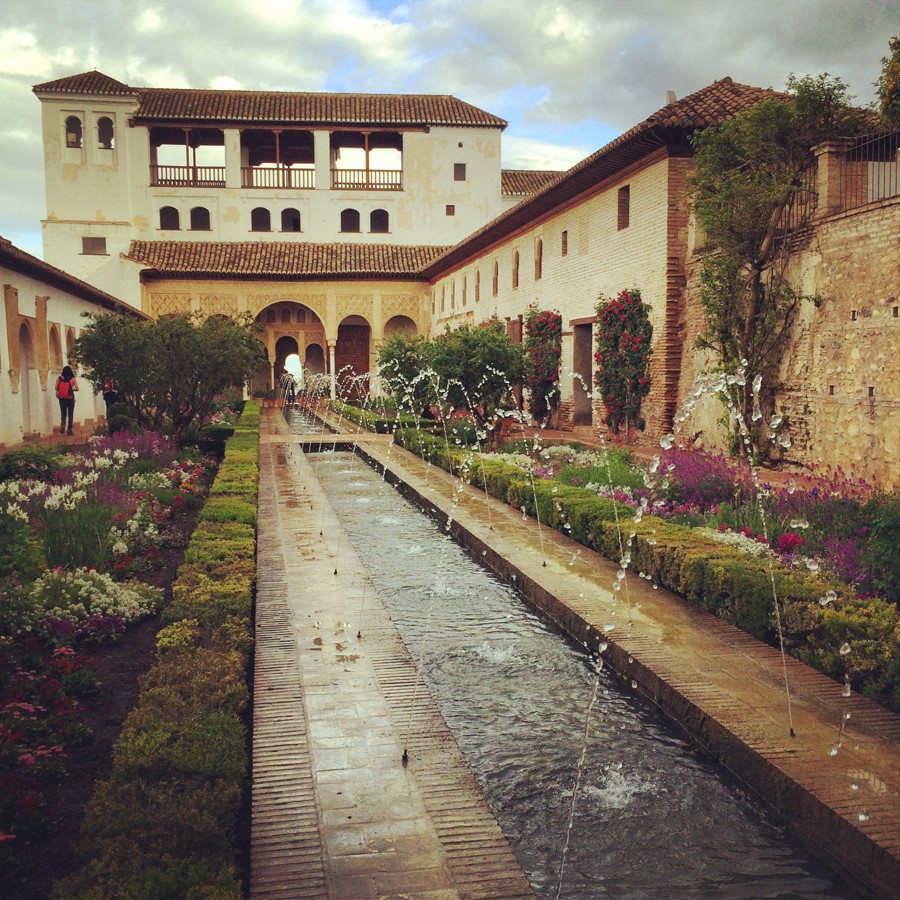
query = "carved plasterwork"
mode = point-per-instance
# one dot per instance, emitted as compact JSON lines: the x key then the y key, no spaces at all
{"x":399,"y":305}
{"x":169,"y":304}
{"x":354,"y":305}
{"x":318,"y":303}
{"x":219,"y":304}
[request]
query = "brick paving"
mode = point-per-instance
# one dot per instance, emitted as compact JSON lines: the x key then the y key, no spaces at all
{"x":724,"y":687}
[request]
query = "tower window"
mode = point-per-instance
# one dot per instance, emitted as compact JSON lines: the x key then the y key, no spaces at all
{"x":538,"y":260}
{"x":459,"y":171}
{"x":169,"y":219}
{"x":200,"y":219}
{"x":105,"y":133}
{"x":350,"y":220}
{"x":290,"y":219}
{"x":564,"y":244}
{"x":93,"y":246}
{"x":515,"y":270}
{"x":73,"y":132}
{"x":260,"y":219}
{"x":379,"y":221}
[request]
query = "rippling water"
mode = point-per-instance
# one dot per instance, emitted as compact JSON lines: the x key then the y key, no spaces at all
{"x":654,"y":818}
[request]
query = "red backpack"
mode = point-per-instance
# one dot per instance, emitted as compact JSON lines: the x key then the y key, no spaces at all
{"x":64,"y":389}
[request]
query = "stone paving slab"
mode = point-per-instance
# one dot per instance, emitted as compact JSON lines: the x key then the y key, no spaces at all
{"x":335,"y":811}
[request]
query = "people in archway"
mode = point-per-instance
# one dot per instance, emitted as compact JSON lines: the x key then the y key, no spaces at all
{"x":66,"y":385}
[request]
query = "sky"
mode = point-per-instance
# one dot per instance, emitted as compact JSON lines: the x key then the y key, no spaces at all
{"x":568,"y":75}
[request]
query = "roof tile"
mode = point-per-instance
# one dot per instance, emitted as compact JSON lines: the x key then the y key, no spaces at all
{"x":526,"y":181}
{"x":281,"y":259}
{"x":86,"y":83}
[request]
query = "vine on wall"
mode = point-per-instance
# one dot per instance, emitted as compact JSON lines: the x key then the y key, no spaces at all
{"x":543,"y":349}
{"x":624,"y":335}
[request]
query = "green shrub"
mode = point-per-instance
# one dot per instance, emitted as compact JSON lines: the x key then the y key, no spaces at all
{"x":881,"y":558}
{"x":20,"y":550}
{"x":39,"y":463}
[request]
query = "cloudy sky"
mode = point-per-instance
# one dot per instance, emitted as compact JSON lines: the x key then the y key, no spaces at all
{"x":568,"y":75}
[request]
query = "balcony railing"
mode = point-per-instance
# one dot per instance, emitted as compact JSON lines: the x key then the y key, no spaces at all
{"x":187,"y":176}
{"x":275,"y":177}
{"x":367,"y":179}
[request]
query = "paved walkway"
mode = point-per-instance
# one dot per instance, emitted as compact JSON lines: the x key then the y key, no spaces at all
{"x":330,"y":710}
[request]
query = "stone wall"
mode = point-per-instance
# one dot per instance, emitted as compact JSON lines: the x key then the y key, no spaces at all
{"x":840,"y":373}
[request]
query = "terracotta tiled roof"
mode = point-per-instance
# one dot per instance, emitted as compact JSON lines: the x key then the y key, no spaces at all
{"x":265,"y":259}
{"x":11,"y":257}
{"x":157,"y":105}
{"x":525,"y":182}
{"x":86,"y":83}
{"x":668,"y":127}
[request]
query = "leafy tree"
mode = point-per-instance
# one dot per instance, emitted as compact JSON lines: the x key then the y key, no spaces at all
{"x":543,"y":350}
{"x":624,"y":336}
{"x":405,"y":373}
{"x":888,"y":85}
{"x":473,"y":368}
{"x":752,"y":172}
{"x":477,"y":367}
{"x":168,"y":372}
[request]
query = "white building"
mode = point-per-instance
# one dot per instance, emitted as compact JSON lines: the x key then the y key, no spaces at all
{"x":44,"y":310}
{"x":125,"y":163}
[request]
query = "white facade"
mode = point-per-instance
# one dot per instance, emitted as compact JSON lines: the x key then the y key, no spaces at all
{"x":43,"y":315}
{"x":111,"y":179}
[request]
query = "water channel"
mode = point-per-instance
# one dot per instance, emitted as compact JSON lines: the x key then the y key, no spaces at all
{"x":653,"y":818}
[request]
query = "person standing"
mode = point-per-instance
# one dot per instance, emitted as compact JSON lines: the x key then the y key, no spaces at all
{"x":66,"y":385}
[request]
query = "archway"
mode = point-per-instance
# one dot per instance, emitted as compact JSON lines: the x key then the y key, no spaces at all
{"x":315,"y":360}
{"x":397,"y":325}
{"x":284,"y":346}
{"x":351,"y":358}
{"x":26,"y":354}
{"x":288,"y":327}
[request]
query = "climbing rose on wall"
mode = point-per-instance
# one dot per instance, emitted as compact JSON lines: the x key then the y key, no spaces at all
{"x":624,"y":334}
{"x":543,"y":348}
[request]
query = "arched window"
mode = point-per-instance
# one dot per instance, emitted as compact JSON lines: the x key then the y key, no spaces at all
{"x":73,"y":132}
{"x":285,"y":316}
{"x":465,"y":287}
{"x":169,"y":220}
{"x":477,"y":285}
{"x":260,"y":219}
{"x":495,"y":285}
{"x":105,"y":133}
{"x":378,"y":221}
{"x":200,"y":219}
{"x":452,"y":295}
{"x":349,"y":220}
{"x":443,"y":297}
{"x":515,"y":270}
{"x":290,"y":219}
{"x":271,"y":316}
{"x":538,"y":260}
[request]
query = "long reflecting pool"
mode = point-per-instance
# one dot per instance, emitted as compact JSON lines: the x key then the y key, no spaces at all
{"x":653,"y":817}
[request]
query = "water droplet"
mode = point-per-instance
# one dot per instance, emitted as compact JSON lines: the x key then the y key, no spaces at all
{"x":630,"y":660}
{"x":604,"y":646}
{"x":617,"y":586}
{"x":651,"y":542}
{"x":863,"y":816}
{"x":608,"y":627}
{"x":833,"y":751}
{"x":846,"y":716}
{"x":854,"y":786}
{"x":757,"y":384}
{"x":799,"y":523}
{"x":642,"y":574}
{"x":846,"y":690}
{"x":654,"y":464}
{"x":554,"y":489}
{"x":830,"y":597}
{"x":812,"y":565}
{"x":655,"y":587}
{"x":639,"y":514}
{"x":484,"y":552}
{"x":667,"y":441}
{"x":744,"y":363}
{"x":620,"y":574}
{"x":633,"y":683}
{"x":792,"y":484}
{"x":785,"y":441}
{"x":845,"y":649}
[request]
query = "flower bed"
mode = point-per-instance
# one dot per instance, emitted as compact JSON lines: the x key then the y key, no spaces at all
{"x":827,"y":623}
{"x":165,"y":823}
{"x":48,"y":616}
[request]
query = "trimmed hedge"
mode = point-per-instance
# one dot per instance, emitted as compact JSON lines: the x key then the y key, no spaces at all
{"x":722,"y":580}
{"x":374,"y":421}
{"x":165,"y":824}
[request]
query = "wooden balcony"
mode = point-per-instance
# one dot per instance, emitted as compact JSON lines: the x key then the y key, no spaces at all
{"x":367,"y":179}
{"x":275,"y":177}
{"x":187,"y":176}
